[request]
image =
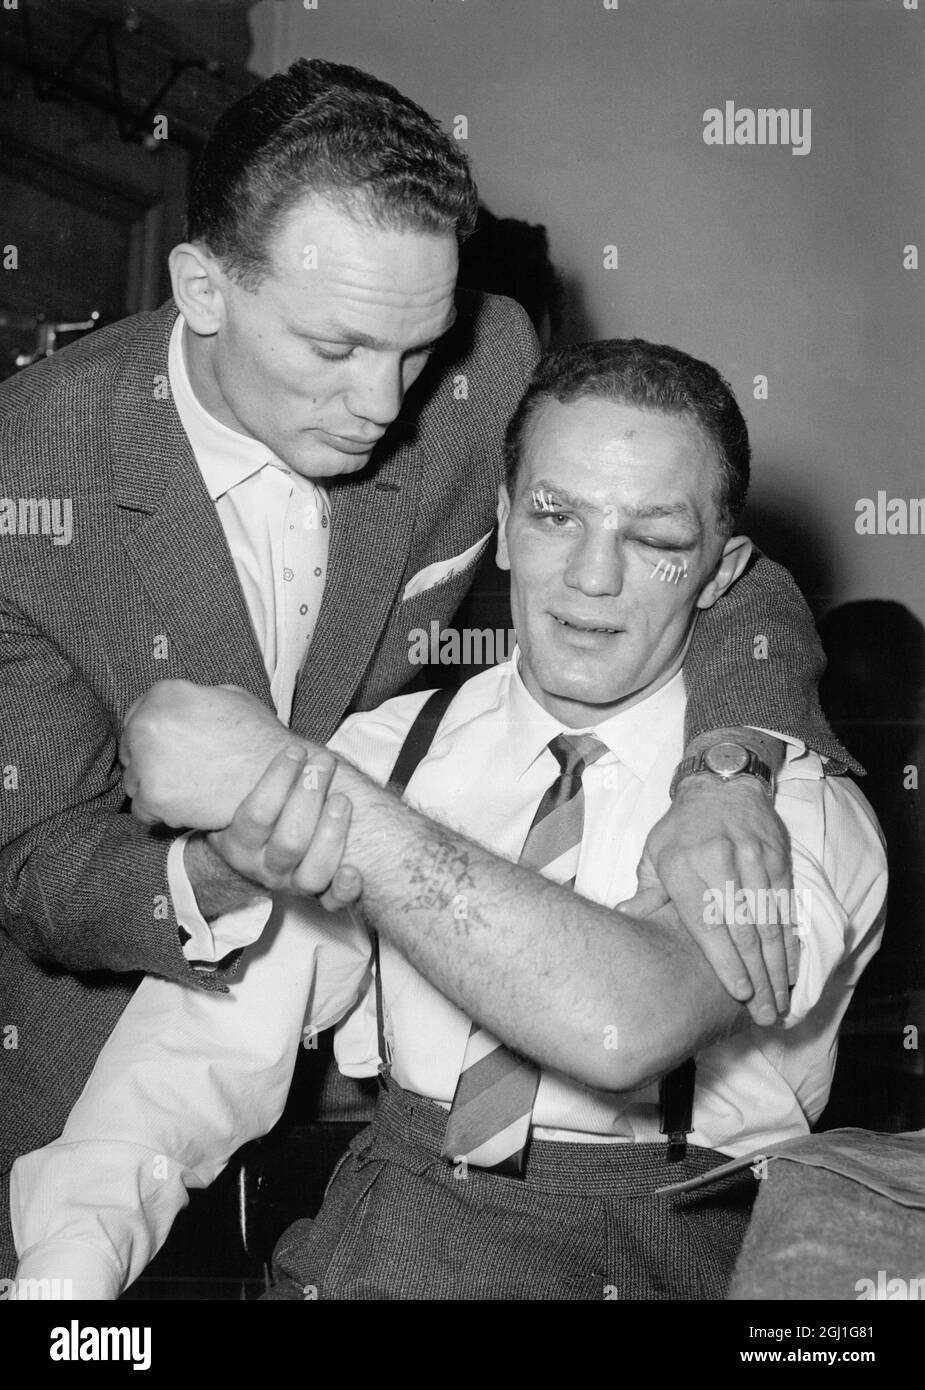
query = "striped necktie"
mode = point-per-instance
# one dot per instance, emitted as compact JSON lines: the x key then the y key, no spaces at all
{"x":489,"y":1120}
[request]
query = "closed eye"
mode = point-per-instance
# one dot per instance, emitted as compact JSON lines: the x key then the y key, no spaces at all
{"x":327,"y":356}
{"x":654,"y":544}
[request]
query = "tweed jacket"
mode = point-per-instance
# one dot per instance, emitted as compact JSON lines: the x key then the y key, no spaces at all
{"x":146,"y":590}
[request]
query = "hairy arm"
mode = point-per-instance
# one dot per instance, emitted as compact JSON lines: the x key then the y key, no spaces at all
{"x":546,"y":970}
{"x":549,"y":972}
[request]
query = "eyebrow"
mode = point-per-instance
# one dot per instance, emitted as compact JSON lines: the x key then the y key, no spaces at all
{"x":339,"y":333}
{"x":653,"y":512}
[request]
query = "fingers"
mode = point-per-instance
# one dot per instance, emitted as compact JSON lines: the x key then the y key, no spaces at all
{"x":766,"y":892}
{"x":722,"y":854}
{"x":299,"y":820}
{"x":780,"y":882}
{"x":729,"y":949}
{"x":255,"y":819}
{"x":346,"y":887}
{"x":320,"y":864}
{"x":792,"y":949}
{"x":702,"y":908}
{"x":748,"y":941}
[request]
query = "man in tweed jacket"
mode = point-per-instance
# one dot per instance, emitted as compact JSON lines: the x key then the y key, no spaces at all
{"x":148,"y":589}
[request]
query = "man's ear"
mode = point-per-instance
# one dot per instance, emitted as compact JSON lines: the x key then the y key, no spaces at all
{"x":504,"y":511}
{"x":197,"y":285}
{"x":735,"y":556}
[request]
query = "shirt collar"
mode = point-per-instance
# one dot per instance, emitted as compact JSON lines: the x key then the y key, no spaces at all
{"x":224,"y":456}
{"x":634,"y":736}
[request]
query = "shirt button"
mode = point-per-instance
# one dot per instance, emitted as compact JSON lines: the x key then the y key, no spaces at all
{"x":318,"y":573}
{"x":303,"y":608}
{"x":287,"y":575}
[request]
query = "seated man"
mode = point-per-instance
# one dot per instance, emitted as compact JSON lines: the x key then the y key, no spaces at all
{"x":536,"y":1040}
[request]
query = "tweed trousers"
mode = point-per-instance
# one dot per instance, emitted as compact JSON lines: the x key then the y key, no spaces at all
{"x":399,"y":1222}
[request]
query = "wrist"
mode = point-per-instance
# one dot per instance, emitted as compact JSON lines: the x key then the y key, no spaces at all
{"x":217,"y":886}
{"x":703,"y":781}
{"x":726,"y":757}
{"x":769,"y":749}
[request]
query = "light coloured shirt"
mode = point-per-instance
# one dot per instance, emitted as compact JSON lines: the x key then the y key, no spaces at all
{"x":187,"y":1077}
{"x":278,"y":526}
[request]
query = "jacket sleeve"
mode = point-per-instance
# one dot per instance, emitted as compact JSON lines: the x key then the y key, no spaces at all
{"x":82,"y":884}
{"x":756,"y":660}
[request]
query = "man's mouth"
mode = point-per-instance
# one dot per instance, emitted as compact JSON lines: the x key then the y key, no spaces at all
{"x":581,"y":625}
{"x":345,"y":444}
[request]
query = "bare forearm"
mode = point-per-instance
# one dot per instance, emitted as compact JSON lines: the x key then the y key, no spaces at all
{"x":601,"y":996}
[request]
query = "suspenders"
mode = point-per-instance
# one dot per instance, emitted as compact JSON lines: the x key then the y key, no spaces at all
{"x":675,"y":1091}
{"x":414,"y":749}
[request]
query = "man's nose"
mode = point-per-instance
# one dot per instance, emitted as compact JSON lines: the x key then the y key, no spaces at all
{"x":595,"y":564}
{"x":376,"y":394}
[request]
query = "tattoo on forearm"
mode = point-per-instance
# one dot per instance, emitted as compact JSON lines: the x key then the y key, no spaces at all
{"x":438,"y":877}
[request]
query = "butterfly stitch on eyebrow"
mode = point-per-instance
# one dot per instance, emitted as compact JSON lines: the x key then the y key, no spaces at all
{"x":668,"y":573}
{"x":544,"y":501}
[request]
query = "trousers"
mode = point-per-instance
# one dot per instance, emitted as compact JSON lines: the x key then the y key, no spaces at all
{"x":585,"y":1222}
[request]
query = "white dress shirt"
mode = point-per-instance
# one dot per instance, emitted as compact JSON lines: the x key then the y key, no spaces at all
{"x":278,"y":526}
{"x":187,"y":1077}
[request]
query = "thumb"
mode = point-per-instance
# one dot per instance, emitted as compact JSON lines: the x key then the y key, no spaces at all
{"x":646,"y":875}
{"x":644,"y":902}
{"x":650,"y":895}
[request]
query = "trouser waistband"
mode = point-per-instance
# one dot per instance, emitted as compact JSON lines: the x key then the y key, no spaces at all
{"x":405,"y":1122}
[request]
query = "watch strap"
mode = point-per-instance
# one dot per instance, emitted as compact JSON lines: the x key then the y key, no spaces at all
{"x":753,"y":768}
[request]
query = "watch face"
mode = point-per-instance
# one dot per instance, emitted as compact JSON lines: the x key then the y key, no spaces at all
{"x":726,"y":759}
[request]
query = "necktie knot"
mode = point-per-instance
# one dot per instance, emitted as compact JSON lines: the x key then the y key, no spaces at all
{"x":575,"y":752}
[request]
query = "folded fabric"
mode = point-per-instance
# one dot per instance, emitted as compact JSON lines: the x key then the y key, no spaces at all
{"x":890,"y":1164}
{"x":842,"y":1217}
{"x":817,"y":1236}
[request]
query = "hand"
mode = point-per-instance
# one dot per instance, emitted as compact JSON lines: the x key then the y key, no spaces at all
{"x":289,"y":835}
{"x":718,"y":839}
{"x":191,"y":753}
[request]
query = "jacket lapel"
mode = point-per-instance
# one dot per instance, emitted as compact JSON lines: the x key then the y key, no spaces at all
{"x":177,"y":544}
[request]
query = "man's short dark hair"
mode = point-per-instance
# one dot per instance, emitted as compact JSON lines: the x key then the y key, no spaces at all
{"x":324,"y":129}
{"x":649,"y":376}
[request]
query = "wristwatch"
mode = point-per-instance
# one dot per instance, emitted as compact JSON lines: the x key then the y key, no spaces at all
{"x":728,"y":761}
